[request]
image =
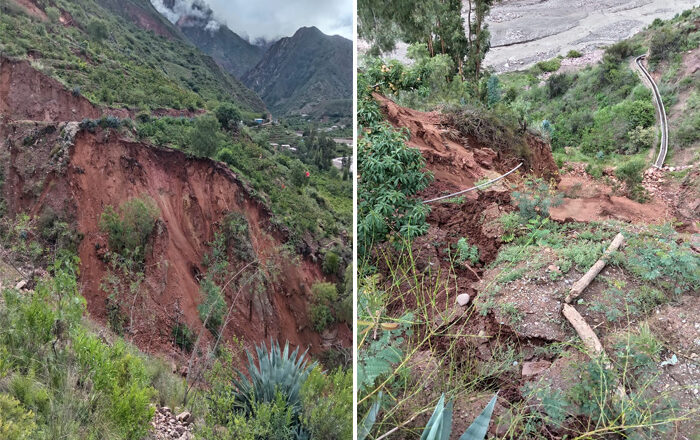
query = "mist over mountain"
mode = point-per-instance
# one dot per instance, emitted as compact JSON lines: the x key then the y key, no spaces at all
{"x":307,"y":73}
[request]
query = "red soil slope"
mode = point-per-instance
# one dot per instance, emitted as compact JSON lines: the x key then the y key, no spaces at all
{"x":47,"y":170}
{"x":457,"y":162}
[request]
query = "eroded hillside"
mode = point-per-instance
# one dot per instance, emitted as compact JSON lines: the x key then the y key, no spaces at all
{"x":57,"y":169}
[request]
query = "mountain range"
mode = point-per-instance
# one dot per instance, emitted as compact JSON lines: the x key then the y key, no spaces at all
{"x":307,"y":73}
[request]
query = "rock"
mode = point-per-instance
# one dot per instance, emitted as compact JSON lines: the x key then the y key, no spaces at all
{"x":535,"y":368}
{"x":463,"y":299}
{"x":20,"y":285}
{"x":184,"y":417}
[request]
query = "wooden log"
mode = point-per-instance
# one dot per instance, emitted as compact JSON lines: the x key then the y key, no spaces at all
{"x":580,"y":285}
{"x":588,"y":336}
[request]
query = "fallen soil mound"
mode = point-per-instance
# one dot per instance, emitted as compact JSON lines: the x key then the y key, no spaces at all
{"x":459,"y":161}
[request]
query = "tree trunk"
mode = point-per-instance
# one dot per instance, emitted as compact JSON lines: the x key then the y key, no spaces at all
{"x":580,"y":285}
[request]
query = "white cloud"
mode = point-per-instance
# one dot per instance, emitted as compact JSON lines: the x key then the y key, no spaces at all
{"x":271,"y":19}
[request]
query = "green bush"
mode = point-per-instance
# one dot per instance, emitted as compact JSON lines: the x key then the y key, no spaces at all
{"x":183,"y":336}
{"x":391,"y":174}
{"x":130,"y":227}
{"x":327,"y":404}
{"x":213,"y":309}
{"x":228,"y":115}
{"x":631,"y":173}
{"x":16,"y":423}
{"x":331,"y":263}
{"x":324,"y":299}
{"x":97,"y":29}
{"x":574,"y":54}
{"x":550,"y":65}
{"x":535,"y":199}
{"x":75,"y":384}
{"x":205,"y":138}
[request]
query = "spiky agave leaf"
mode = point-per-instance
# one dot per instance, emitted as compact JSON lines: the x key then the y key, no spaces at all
{"x":477,"y":430}
{"x":275,"y":371}
{"x":440,"y":424}
{"x":366,"y":426}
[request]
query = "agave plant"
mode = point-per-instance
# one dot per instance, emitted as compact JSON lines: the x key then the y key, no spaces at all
{"x":439,"y":426}
{"x":278,"y":371}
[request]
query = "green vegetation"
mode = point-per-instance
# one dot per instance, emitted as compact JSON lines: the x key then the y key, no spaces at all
{"x":130,"y":227}
{"x":113,"y":61}
{"x":325,"y":296}
{"x":319,"y":204}
{"x":283,"y":396}
{"x":59,"y":376}
{"x":439,"y":23}
{"x":535,"y":199}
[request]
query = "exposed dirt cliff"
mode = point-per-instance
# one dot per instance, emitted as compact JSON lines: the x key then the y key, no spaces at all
{"x":54,"y":169}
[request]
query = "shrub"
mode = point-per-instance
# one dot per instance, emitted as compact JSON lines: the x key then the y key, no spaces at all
{"x":391,"y":174}
{"x":549,"y":66}
{"x":557,"y":85}
{"x":130,"y":227}
{"x":327,"y":404}
{"x":97,"y":29}
{"x":213,"y":309}
{"x":16,"y":423}
{"x":631,"y":173}
{"x":535,"y":199}
{"x":183,"y":337}
{"x":574,"y":54}
{"x":228,"y":115}
{"x":640,"y":139}
{"x":331,"y":263}
{"x":205,"y":137}
{"x":663,"y":44}
{"x":325,"y":296}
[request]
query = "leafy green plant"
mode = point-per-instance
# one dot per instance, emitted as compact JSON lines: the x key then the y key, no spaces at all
{"x":327,"y":404}
{"x":130,"y":227}
{"x":535,"y":199}
{"x":466,"y":251}
{"x":331,"y":263}
{"x":391,"y":174}
{"x":16,"y":423}
{"x":325,"y":296}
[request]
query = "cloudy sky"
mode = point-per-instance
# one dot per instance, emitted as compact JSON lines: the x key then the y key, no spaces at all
{"x":270,"y":19}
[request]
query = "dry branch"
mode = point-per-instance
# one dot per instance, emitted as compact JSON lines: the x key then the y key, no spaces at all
{"x":580,"y":285}
{"x":588,"y":336}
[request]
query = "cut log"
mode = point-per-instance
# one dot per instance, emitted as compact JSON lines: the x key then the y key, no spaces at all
{"x":588,"y":336}
{"x":580,"y":285}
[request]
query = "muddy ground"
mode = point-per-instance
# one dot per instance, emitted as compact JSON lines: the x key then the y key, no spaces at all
{"x":536,"y":299}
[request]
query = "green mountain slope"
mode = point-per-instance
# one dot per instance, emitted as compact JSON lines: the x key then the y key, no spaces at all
{"x":309,"y":72}
{"x":118,"y":53}
{"x":232,"y":52}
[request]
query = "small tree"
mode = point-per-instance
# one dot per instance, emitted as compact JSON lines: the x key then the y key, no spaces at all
{"x":97,"y":29}
{"x":204,"y":139}
{"x":228,"y":116}
{"x":631,"y":173}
